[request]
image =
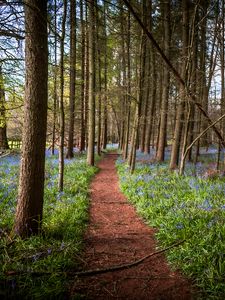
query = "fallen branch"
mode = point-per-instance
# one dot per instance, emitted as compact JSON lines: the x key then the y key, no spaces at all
{"x":100,"y":271}
{"x":125,"y":266}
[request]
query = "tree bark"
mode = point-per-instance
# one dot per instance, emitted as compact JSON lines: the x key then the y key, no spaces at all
{"x":91,"y":100}
{"x":105,"y":109}
{"x":61,"y":103}
{"x":31,"y":184}
{"x":55,"y":96}
{"x":82,"y":124}
{"x":166,"y":81}
{"x":72,"y":77}
{"x":182,"y":95}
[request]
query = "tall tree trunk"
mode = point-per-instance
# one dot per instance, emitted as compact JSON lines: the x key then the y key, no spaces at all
{"x":61,"y":102}
{"x":135,"y":133}
{"x":182,"y":93}
{"x":3,"y":137}
{"x":91,"y":100}
{"x":55,"y":96}
{"x":166,"y":81}
{"x":203,"y":80}
{"x":223,"y":71}
{"x":105,"y":110}
{"x":99,"y":123}
{"x":72,"y":76}
{"x":144,"y":86}
{"x":82,"y":124}
{"x":127,"y":131}
{"x":87,"y":76}
{"x":31,"y":184}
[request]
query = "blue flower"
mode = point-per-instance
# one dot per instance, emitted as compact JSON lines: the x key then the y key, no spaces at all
{"x":206,"y":205}
{"x":179,"y":226}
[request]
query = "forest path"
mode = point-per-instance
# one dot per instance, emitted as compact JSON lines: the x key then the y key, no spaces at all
{"x":116,"y":235}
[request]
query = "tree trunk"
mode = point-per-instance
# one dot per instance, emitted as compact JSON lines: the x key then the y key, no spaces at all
{"x":55,"y":96}
{"x":82,"y":124}
{"x":135,"y":133}
{"x":203,"y":55}
{"x":105,"y":105}
{"x":87,"y":77}
{"x":72,"y":76}
{"x":99,"y":91}
{"x":91,"y":100}
{"x":3,"y":137}
{"x":127,"y":132}
{"x":61,"y":103}
{"x":182,"y":93}
{"x":166,"y":81}
{"x":31,"y":184}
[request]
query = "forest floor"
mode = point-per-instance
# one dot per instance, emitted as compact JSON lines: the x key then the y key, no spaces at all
{"x":117,"y":235}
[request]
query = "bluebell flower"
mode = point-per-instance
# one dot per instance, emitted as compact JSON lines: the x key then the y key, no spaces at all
{"x":179,"y":226}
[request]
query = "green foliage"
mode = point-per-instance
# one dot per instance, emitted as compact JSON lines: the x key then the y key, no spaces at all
{"x":57,"y":248}
{"x":183,"y":207}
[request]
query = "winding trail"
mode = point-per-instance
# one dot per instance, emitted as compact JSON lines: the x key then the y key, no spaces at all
{"x":116,"y":235}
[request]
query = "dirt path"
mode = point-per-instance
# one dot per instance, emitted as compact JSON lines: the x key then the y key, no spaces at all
{"x":116,"y":235}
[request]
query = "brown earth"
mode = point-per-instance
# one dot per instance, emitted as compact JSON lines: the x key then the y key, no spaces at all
{"x":116,"y":235}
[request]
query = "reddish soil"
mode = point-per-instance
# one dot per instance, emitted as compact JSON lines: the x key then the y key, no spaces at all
{"x":116,"y":235}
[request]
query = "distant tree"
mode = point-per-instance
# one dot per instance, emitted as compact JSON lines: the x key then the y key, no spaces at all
{"x":31,"y":184}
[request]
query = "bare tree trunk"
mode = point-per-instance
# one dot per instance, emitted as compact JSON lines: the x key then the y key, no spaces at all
{"x":87,"y":76}
{"x":127,"y":132}
{"x":91,"y":102}
{"x":29,"y":209}
{"x":166,"y":81}
{"x":72,"y":76}
{"x":135,"y":142}
{"x":182,"y":94}
{"x":82,"y":124}
{"x":99,"y":91}
{"x":203,"y":54}
{"x":55,"y":84}
{"x":105,"y":111}
{"x":61,"y":103}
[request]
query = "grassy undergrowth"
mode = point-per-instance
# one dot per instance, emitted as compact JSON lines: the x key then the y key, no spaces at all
{"x":56,"y":250}
{"x":183,"y":207}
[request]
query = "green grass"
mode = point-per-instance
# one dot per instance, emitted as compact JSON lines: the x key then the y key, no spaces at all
{"x":183,"y":207}
{"x":57,"y":249}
